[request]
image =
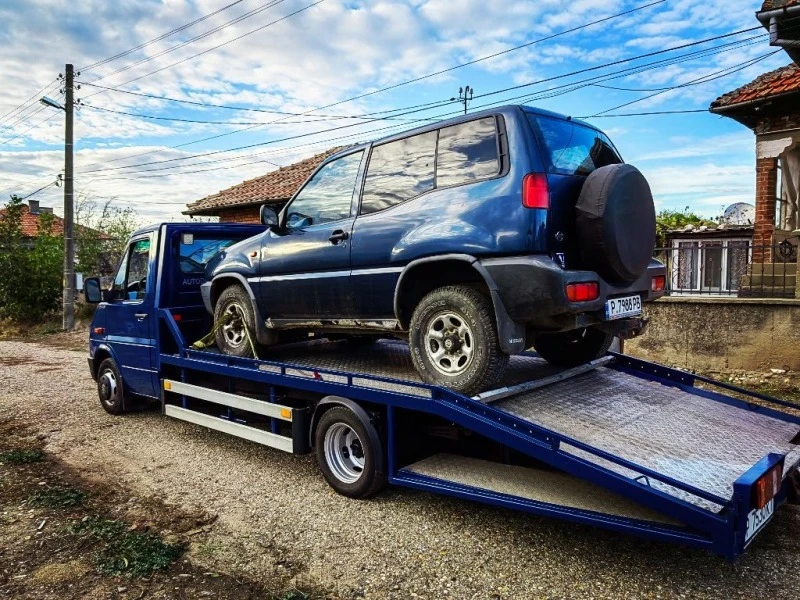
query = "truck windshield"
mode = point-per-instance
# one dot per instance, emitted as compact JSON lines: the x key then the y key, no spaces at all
{"x":196,"y":252}
{"x":570,"y":148}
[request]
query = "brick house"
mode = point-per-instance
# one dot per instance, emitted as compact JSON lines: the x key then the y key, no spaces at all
{"x":770,"y":106}
{"x":242,"y":202}
{"x":30,"y":219}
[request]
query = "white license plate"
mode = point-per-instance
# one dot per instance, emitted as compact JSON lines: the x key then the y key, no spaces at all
{"x":757,"y":518}
{"x":629,"y":306}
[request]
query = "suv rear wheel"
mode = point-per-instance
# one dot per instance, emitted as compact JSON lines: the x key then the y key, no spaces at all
{"x":453,"y":339}
{"x":573,"y":348}
{"x":232,"y":338}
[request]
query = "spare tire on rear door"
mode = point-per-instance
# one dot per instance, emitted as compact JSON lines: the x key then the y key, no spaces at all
{"x":616,"y":223}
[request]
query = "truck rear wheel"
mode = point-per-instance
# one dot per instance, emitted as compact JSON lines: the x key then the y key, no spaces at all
{"x":109,"y":387}
{"x":573,"y":348}
{"x":232,"y":338}
{"x":454,"y":342}
{"x":347,"y":453}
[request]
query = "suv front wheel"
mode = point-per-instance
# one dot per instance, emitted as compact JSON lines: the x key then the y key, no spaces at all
{"x":453,"y":340}
{"x":236,"y":335}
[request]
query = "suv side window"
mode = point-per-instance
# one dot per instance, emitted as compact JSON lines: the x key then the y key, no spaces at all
{"x":328,"y":196}
{"x":131,"y":280}
{"x":399,"y":171}
{"x":467,"y":152}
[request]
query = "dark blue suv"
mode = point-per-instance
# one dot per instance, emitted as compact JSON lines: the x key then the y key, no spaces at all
{"x":473,"y":238}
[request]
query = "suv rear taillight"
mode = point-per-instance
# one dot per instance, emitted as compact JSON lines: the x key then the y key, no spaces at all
{"x":535,"y":191}
{"x":658,"y":283}
{"x":583,"y":292}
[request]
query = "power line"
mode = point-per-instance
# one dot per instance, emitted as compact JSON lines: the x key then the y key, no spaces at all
{"x":490,"y":56}
{"x":239,"y":37}
{"x":698,"y":81}
{"x":257,"y":123}
{"x":443,"y":71}
{"x":159,"y":38}
{"x":201,"y":36}
{"x":650,"y":54}
{"x":416,"y":79}
{"x":655,"y":112}
{"x":32,"y":98}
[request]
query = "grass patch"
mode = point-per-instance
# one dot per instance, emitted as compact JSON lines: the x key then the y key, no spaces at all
{"x":57,"y":497}
{"x":126,"y":552}
{"x":21,"y":457}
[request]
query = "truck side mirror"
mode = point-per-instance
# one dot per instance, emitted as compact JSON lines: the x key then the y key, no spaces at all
{"x":92,"y":292}
{"x":268,"y":216}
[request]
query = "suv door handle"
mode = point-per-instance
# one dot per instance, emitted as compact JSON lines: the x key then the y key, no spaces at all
{"x":338,"y":236}
{"x":140,"y":316}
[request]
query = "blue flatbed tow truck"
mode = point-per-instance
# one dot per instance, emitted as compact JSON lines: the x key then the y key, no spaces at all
{"x":619,"y":443}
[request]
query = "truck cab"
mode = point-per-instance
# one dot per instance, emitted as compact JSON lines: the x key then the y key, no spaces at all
{"x":163,"y":267}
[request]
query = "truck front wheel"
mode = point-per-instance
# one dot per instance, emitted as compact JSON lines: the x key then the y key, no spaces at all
{"x":347,"y":453}
{"x":109,"y":387}
{"x":573,"y":348}
{"x":453,"y":340}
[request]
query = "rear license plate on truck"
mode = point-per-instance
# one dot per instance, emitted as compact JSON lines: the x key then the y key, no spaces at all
{"x":618,"y":308}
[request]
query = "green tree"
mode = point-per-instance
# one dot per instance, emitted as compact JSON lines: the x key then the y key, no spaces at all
{"x":101,"y":235}
{"x":30,"y":269}
{"x":667,"y":220}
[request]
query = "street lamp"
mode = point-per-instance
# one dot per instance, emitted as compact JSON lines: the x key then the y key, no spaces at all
{"x":52,"y":103}
{"x":69,"y":225}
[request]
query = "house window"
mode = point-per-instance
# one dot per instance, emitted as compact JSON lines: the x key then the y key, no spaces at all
{"x":709,"y":266}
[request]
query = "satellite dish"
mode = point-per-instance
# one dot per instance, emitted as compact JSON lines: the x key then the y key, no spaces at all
{"x":740,"y":213}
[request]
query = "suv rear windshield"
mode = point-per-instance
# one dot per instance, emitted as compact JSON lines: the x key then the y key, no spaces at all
{"x":570,"y":148}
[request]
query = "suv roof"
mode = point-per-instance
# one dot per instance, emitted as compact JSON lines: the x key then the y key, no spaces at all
{"x":506,"y":109}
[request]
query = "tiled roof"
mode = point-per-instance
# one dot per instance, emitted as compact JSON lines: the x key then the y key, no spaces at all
{"x":781,"y":81}
{"x":30,"y":222}
{"x":275,"y":186}
{"x":773,"y":4}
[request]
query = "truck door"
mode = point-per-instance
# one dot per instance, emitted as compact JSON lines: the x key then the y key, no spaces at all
{"x":130,"y":318}
{"x":305,"y":266}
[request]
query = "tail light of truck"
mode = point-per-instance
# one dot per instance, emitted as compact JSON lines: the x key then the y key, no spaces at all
{"x":535,"y":191}
{"x":583,"y":292}
{"x":767,"y":486}
{"x":659,"y":282}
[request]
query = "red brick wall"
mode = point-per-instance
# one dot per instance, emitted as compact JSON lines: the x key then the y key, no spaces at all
{"x":766,"y":190}
{"x":248,"y":214}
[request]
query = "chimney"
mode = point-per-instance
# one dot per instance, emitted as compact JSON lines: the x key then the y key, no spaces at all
{"x":33,"y":207}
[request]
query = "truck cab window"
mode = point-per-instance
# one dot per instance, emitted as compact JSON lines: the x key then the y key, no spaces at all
{"x":131,"y":280}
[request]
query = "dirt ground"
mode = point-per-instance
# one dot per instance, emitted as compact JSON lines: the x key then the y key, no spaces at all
{"x":53,"y":521}
{"x":269,"y":521}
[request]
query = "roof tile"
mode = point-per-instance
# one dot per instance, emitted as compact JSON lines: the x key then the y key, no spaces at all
{"x":30,"y":222}
{"x":773,"y":4}
{"x":276,"y":186}
{"x":780,"y":81}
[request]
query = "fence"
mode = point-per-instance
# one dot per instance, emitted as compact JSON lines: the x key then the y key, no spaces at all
{"x":730,"y":268}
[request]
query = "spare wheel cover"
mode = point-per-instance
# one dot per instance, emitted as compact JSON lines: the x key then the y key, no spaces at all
{"x":616,"y":223}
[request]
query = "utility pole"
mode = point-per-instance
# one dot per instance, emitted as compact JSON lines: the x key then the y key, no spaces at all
{"x":465,"y":95}
{"x":69,"y":204}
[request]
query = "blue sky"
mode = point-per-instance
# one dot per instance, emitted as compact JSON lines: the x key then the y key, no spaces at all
{"x":334,"y":51}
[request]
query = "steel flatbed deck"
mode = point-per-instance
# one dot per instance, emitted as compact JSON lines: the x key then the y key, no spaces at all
{"x":623,"y":443}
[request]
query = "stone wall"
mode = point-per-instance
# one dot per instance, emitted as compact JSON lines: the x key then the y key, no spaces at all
{"x":721,"y":334}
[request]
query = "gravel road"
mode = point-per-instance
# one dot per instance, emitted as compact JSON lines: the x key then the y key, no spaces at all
{"x":277,"y":515}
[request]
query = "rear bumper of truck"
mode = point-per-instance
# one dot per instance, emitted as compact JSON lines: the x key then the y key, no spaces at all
{"x":533,"y":291}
